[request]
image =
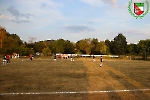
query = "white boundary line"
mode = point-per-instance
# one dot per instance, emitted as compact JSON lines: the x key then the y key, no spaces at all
{"x":78,"y":92}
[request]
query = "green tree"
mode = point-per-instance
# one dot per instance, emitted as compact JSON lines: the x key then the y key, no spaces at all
{"x":144,"y":48}
{"x":108,"y":44}
{"x":46,"y":51}
{"x":69,"y":47}
{"x":53,"y":46}
{"x":38,"y":46}
{"x":24,"y":51}
{"x":58,"y":46}
{"x":94,"y":44}
{"x":132,"y":49}
{"x":103,"y":49}
{"x":119,"y":45}
{"x":30,"y":47}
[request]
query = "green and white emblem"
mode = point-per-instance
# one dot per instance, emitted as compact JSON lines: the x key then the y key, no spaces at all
{"x":138,"y":9}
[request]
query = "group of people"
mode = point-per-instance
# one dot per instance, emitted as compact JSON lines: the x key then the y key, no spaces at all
{"x":6,"y":59}
{"x":72,"y":59}
{"x":59,"y":56}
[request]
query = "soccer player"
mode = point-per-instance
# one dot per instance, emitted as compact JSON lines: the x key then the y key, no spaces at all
{"x":72,"y":57}
{"x":93,"y":57}
{"x":8,"y":58}
{"x":30,"y":56}
{"x":101,"y":61}
{"x":54,"y":57}
{"x":4,"y":59}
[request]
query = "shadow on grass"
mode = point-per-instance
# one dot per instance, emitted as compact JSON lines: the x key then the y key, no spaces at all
{"x":137,"y":70}
{"x":112,"y":95}
{"x":39,"y":76}
{"x":129,"y":86}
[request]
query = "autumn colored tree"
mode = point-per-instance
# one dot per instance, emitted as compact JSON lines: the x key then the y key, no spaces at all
{"x":95,"y":48}
{"x":12,"y":43}
{"x":84,"y":46}
{"x":2,"y":36}
{"x":103,"y":49}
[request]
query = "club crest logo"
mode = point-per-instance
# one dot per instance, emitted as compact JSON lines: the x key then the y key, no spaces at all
{"x":138,"y":9}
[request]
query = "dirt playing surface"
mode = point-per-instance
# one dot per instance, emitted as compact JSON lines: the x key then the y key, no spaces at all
{"x":82,"y":77}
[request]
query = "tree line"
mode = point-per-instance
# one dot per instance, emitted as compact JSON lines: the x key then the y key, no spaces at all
{"x":10,"y":43}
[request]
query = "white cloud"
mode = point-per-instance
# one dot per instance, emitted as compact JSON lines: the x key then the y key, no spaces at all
{"x":15,"y":12}
{"x":43,"y":19}
{"x":99,"y":2}
{"x":39,"y":12}
{"x":78,"y":28}
{"x":40,"y":3}
{"x":3,"y":17}
{"x":110,"y":1}
{"x":34,"y":17}
{"x":20,"y":21}
{"x":138,"y":0}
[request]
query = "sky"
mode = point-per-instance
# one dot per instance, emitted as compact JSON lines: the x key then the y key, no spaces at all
{"x":73,"y":19}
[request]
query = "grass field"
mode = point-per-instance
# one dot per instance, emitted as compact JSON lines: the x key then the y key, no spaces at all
{"x":83,"y":77}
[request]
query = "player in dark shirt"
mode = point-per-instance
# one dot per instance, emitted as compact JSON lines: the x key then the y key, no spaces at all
{"x":54,"y":57}
{"x":101,"y":59}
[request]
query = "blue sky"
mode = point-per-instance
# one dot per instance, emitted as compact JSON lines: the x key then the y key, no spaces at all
{"x":73,"y":19}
